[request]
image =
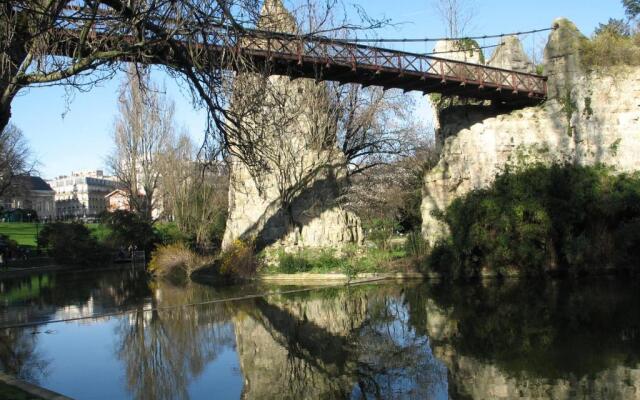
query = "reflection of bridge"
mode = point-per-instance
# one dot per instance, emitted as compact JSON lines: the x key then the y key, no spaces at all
{"x":345,"y":62}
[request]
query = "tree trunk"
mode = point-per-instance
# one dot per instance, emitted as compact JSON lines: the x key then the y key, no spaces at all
{"x":5,"y":114}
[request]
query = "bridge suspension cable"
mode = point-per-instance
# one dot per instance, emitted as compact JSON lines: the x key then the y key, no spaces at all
{"x":414,"y":40}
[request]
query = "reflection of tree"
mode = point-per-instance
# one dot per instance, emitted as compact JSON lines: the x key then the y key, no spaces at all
{"x":19,"y":356}
{"x":334,"y":344}
{"x":164,"y":350}
{"x":394,"y":360}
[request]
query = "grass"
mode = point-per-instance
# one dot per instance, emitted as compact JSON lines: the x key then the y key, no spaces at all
{"x":25,"y":232}
{"x":22,"y":232}
{"x":351,"y":261}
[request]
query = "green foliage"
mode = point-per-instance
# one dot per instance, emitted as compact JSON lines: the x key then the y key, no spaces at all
{"x":631,"y":8}
{"x":291,"y":264}
{"x":100,"y":232}
{"x":610,"y":47}
{"x":616,"y":27}
{"x":380,"y":231}
{"x":350,"y":261}
{"x":169,"y":233}
{"x":561,"y":218}
{"x":72,"y":244}
{"x":615,"y":146}
{"x":415,"y":245}
{"x":130,"y":229}
{"x":7,"y":245}
{"x":569,"y":107}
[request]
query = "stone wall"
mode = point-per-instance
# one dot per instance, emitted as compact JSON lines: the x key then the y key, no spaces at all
{"x":283,"y":189}
{"x":589,"y":118}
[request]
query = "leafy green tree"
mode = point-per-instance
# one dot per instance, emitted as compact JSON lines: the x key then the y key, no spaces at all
{"x":72,"y":244}
{"x":130,"y":229}
{"x":631,"y":8}
{"x":615,"y":26}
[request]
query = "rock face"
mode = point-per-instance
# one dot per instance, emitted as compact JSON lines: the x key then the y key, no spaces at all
{"x":458,"y":51}
{"x":283,"y":187}
{"x":589,"y":118}
{"x":511,"y":55}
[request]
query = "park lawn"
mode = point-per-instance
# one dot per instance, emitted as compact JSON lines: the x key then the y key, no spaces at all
{"x":25,"y":232}
{"x":22,"y":232}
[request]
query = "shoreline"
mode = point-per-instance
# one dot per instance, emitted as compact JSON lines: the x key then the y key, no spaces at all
{"x":31,"y":389}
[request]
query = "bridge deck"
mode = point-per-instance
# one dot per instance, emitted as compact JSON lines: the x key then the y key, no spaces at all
{"x":333,"y":60}
{"x":341,"y":61}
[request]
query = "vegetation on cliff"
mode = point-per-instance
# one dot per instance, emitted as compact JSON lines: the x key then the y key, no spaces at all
{"x":615,"y":43}
{"x":563,"y":218}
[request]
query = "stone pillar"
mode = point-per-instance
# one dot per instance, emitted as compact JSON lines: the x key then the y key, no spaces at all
{"x":510,"y":55}
{"x":562,"y":58}
{"x":288,"y":199}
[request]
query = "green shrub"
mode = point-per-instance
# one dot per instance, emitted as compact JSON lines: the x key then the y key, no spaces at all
{"x":609,"y":48}
{"x":561,"y":218}
{"x":129,"y":229}
{"x":169,"y":233}
{"x":380,"y":231}
{"x":72,"y":244}
{"x":291,"y":264}
{"x":415,"y":245}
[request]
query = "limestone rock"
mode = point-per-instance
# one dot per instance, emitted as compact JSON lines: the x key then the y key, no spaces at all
{"x":459,"y":51}
{"x":510,"y":55}
{"x":284,"y":185}
{"x":603,"y":126}
{"x":562,"y":57}
{"x":588,"y":119}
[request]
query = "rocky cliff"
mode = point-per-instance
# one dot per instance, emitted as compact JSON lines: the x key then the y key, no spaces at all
{"x":284,"y":183}
{"x":589,"y":118}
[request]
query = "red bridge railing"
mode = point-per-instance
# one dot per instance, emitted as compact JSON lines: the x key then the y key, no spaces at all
{"x":338,"y":60}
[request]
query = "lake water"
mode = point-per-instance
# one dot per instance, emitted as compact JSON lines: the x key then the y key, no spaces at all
{"x":557,"y":339}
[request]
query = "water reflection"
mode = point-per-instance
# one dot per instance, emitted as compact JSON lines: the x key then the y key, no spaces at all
{"x":164,"y":350}
{"x":560,"y":340}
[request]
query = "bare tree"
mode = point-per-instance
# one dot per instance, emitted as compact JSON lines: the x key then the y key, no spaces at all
{"x":143,"y":131}
{"x":80,"y":42}
{"x":195,"y":192}
{"x":456,"y":14}
{"x":14,"y":157}
{"x":375,"y":127}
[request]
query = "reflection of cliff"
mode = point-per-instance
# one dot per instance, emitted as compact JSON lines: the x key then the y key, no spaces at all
{"x":334,"y":344}
{"x":293,"y":349}
{"x":554,"y":340}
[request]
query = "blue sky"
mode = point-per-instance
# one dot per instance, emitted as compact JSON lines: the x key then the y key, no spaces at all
{"x":76,"y":136}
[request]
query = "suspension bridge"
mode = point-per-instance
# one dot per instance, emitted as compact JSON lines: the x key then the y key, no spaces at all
{"x":325,"y":59}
